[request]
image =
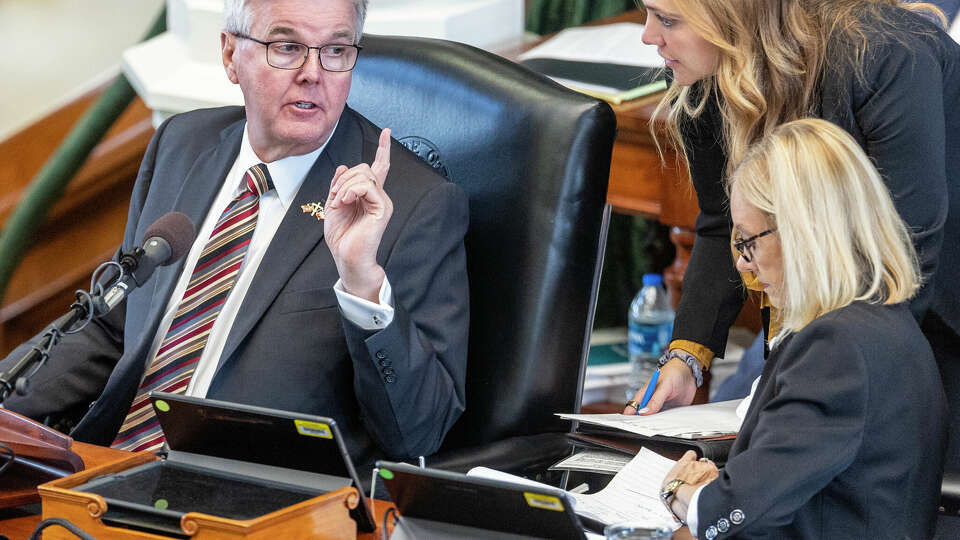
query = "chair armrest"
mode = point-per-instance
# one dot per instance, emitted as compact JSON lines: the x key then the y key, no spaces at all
{"x":950,"y":494}
{"x":520,"y":455}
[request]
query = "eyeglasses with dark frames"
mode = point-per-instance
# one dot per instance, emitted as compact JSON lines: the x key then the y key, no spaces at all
{"x":747,"y":245}
{"x":335,"y":57}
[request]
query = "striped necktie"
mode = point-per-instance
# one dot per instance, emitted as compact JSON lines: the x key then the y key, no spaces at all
{"x":210,"y":284}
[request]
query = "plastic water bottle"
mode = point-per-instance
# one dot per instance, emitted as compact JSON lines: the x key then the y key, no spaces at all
{"x":651,"y":325}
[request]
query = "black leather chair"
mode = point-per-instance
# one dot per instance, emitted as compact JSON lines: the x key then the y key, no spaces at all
{"x":534,"y":159}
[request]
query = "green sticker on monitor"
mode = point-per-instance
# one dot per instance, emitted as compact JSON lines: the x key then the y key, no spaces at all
{"x":387,"y":474}
{"x":161,"y":504}
{"x":161,"y":406}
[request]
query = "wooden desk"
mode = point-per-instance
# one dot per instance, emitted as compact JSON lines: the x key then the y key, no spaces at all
{"x":93,"y":456}
{"x":21,"y":527}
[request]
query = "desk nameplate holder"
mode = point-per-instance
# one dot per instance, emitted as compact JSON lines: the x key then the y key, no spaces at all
{"x":326,"y":516}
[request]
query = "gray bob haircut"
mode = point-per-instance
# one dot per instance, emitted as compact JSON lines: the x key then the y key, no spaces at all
{"x":237,"y":18}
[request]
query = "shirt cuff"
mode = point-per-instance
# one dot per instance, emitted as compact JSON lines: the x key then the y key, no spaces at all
{"x":692,"y":522}
{"x":702,"y":354}
{"x":364,"y":313}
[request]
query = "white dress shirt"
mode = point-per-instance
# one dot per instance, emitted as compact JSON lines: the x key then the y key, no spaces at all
{"x":287,"y":174}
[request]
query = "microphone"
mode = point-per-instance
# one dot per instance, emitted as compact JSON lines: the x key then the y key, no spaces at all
{"x":167,"y":240}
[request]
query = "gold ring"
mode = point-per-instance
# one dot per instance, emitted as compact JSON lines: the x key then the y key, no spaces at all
{"x":704,"y":460}
{"x":633,"y":404}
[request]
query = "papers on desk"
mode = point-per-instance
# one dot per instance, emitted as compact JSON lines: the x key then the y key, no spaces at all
{"x":632,"y":495}
{"x":618,"y":43}
{"x":597,"y":461}
{"x":693,"y":422}
{"x":607,"y":61}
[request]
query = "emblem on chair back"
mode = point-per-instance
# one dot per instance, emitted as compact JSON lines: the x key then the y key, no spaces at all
{"x":427,"y":151}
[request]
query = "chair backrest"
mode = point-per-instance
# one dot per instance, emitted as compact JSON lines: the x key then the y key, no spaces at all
{"x":534,"y":160}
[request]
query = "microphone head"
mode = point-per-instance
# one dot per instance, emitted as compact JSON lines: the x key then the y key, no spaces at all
{"x":178,"y":231}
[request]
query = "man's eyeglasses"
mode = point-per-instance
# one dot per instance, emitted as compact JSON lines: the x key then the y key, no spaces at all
{"x":293,"y":55}
{"x":747,"y":245}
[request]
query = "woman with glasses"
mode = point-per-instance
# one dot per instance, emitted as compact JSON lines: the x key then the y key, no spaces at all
{"x":887,"y":75}
{"x":844,"y":434}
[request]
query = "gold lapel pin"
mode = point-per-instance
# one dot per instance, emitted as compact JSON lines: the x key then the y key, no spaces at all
{"x":314,"y":209}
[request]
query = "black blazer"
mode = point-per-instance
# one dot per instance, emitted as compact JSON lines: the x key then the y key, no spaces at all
{"x":845,"y":436}
{"x":906,"y":116}
{"x":394,"y":392}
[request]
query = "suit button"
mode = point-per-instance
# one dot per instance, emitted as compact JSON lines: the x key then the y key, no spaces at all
{"x":386,"y":362}
{"x":388,"y":371}
{"x":737,"y":516}
{"x":390,"y":379}
{"x":723,"y":525}
{"x":711,"y":532}
{"x":381,"y":354}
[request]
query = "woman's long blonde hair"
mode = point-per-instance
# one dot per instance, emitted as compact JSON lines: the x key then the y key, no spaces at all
{"x":772,"y":56}
{"x":841,"y":237}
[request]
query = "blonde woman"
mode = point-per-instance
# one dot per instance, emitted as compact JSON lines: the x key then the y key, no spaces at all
{"x":888,"y":76}
{"x":844,"y":435}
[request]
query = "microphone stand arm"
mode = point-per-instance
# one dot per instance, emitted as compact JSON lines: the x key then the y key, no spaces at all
{"x":18,"y":377}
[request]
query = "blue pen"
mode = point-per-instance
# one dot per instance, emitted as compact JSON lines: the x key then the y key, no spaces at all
{"x":650,"y":388}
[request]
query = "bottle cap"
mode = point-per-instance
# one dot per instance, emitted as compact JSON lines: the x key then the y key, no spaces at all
{"x":652,"y":279}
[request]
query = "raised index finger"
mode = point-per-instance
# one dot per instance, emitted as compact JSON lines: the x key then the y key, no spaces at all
{"x":381,"y":162}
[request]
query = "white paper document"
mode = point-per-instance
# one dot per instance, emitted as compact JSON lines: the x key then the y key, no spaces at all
{"x":618,"y":43}
{"x":692,"y":422}
{"x":633,"y":494}
{"x":594,"y":461}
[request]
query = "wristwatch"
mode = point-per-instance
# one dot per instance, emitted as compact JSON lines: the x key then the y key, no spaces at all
{"x":668,"y":494}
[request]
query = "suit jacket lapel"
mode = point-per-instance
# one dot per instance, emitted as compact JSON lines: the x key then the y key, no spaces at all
{"x":298,"y":234}
{"x":764,"y":393}
{"x":197,"y":193}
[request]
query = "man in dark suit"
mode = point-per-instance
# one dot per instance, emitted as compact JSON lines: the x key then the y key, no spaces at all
{"x":340,"y":217}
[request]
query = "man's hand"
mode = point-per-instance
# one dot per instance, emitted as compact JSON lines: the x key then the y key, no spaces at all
{"x":355,"y":215}
{"x":675,"y":387}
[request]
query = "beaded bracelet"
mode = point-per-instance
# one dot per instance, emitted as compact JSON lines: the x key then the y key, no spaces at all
{"x":688,"y":359}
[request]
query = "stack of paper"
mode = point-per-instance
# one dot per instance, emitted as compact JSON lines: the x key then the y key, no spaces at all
{"x":597,"y":461}
{"x":693,"y":422}
{"x":607,"y":61}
